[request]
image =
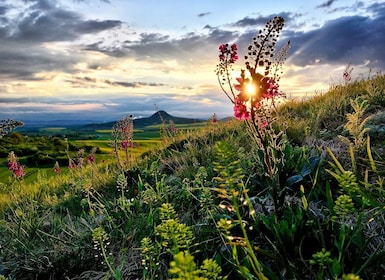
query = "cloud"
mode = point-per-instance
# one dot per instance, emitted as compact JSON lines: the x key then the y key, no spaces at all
{"x":261,"y":20}
{"x":354,"y":39}
{"x":89,"y":82}
{"x":326,"y":4}
{"x":26,"y":30}
{"x":204,"y":14}
{"x":147,"y":38}
{"x":52,"y":24}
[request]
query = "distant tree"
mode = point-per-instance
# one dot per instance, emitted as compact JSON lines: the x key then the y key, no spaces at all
{"x":16,"y":136}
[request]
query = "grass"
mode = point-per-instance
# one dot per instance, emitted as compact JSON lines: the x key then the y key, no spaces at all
{"x":201,"y":204}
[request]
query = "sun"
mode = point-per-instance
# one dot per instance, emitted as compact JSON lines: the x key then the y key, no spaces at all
{"x":251,"y":89}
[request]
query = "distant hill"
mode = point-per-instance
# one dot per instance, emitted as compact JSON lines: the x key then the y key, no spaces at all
{"x":155,"y":119}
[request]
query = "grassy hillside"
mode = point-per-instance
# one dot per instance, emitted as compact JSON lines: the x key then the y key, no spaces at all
{"x":209,"y":204}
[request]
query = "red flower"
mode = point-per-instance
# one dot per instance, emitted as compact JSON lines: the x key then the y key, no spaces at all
{"x":12,"y":165}
{"x":215,"y":118}
{"x":264,"y":124}
{"x":56,"y":168}
{"x":91,"y":159}
{"x":222,"y":48}
{"x":240,"y":87}
{"x":347,"y":77}
{"x":19,"y":172}
{"x":270,"y":87}
{"x":124,"y":144}
{"x":225,"y":51}
{"x":240,"y":110}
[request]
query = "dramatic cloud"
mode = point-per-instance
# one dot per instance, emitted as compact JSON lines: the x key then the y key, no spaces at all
{"x":25,"y":37}
{"x":51,"y":50}
{"x":352,"y":39}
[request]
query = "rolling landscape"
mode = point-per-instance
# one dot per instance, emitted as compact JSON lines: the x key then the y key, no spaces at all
{"x":284,"y":188}
{"x":192,"y":201}
{"x":39,"y":146}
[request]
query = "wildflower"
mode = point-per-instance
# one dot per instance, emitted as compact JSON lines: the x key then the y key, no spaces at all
{"x":174,"y":130}
{"x":19,"y":173}
{"x":71,"y":164}
{"x":243,"y":96}
{"x":240,"y":110}
{"x":14,"y":166}
{"x":270,"y":88}
{"x":91,"y":159}
{"x":222,"y":50}
{"x":214,"y":118}
{"x":124,"y":144}
{"x":56,"y":168}
{"x":347,"y":75}
{"x":264,"y":124}
{"x":228,"y":54}
{"x":127,"y":144}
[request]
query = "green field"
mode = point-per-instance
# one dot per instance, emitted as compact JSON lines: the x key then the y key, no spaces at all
{"x":144,"y":139}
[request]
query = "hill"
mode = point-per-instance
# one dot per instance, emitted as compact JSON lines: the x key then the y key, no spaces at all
{"x":155,"y":119}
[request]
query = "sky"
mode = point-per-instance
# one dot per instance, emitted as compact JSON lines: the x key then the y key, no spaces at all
{"x":100,"y":60}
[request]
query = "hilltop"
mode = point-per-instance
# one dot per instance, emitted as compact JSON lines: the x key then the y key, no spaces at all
{"x":155,"y":119}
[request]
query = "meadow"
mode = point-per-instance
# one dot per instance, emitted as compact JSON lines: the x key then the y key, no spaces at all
{"x":294,"y":191}
{"x":199,"y":203}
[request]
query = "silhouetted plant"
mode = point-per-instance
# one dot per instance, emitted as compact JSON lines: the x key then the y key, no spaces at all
{"x":8,"y":125}
{"x":254,"y":97}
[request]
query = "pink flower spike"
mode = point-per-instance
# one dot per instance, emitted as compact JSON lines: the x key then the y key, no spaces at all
{"x":19,"y":172}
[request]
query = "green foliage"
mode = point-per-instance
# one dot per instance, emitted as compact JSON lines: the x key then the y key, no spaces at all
{"x":344,"y":205}
{"x":183,"y":267}
{"x":356,"y":125}
{"x":171,"y":237}
{"x":321,"y":258}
